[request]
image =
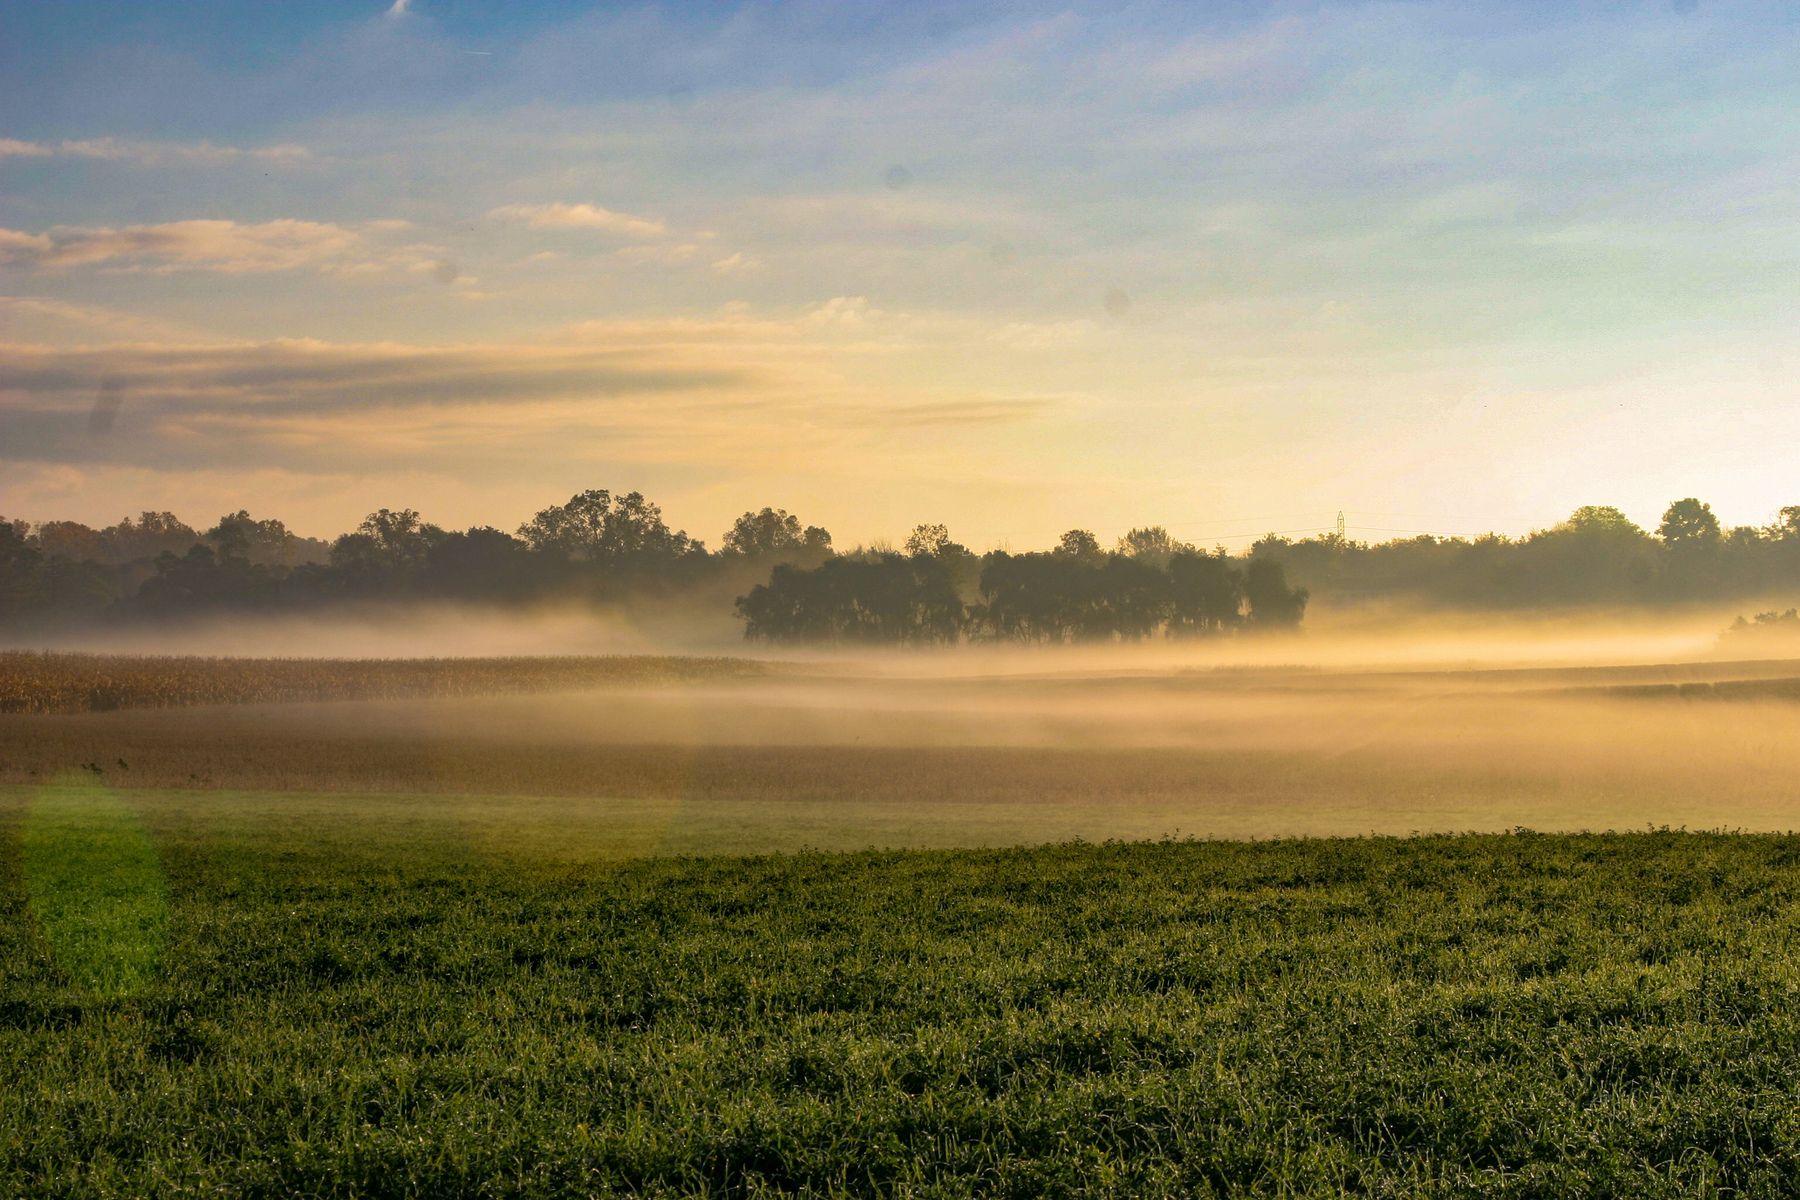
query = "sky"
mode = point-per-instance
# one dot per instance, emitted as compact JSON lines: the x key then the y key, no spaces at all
{"x":1016,"y":267}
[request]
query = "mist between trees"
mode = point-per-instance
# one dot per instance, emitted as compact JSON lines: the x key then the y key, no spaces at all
{"x":787,"y":582}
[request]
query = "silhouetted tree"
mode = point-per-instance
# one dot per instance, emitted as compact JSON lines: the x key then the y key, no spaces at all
{"x":903,"y":600}
{"x":78,"y":589}
{"x":69,"y":539}
{"x":1273,"y":605}
{"x":576,"y":529}
{"x":1786,"y":525}
{"x":636,"y":530}
{"x":1151,"y":544}
{"x":1129,"y":600}
{"x":1206,"y":594}
{"x":1060,"y":597}
{"x":1691,"y":532}
{"x":400,"y":538}
{"x":1689,"y":523}
{"x":484,"y":564}
{"x":1597,"y":555}
{"x":21,"y":574}
{"x":772,"y":531}
{"x":267,"y":543}
{"x":929,"y":539}
{"x":202,"y":580}
{"x":1078,"y":543}
{"x":1030,"y":597}
{"x":594,"y":527}
{"x":380,"y":560}
{"x":1602,"y":519}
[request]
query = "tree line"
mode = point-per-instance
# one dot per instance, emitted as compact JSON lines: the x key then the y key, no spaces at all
{"x":790,"y":584}
{"x":597,"y":547}
{"x":939,"y":593}
{"x":1598,"y":556}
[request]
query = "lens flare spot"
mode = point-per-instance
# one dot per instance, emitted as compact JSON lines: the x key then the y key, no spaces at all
{"x":96,"y":887}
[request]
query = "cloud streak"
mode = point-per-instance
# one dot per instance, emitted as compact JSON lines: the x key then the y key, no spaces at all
{"x":14,"y":148}
{"x":303,"y":376}
{"x":154,"y":154}
{"x":581,"y":216}
{"x":731,"y":389}
{"x":214,"y":245}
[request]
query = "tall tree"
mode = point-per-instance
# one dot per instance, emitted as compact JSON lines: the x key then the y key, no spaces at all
{"x":576,"y":529}
{"x":1206,"y":594}
{"x":892,"y":598}
{"x":1602,"y":519}
{"x":203,"y":580}
{"x":69,"y":539}
{"x":596,"y":527}
{"x":1689,"y":523}
{"x":1151,"y":544}
{"x":929,"y":539}
{"x":21,"y":576}
{"x":400,"y":539}
{"x":267,"y":542}
{"x":1273,"y":605}
{"x":774,"y":531}
{"x":1078,"y":543}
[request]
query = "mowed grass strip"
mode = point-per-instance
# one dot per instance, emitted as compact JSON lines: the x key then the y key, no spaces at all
{"x":1506,"y":1015}
{"x":68,"y":683}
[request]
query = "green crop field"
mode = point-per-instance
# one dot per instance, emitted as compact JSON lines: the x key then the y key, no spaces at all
{"x":393,"y":1006}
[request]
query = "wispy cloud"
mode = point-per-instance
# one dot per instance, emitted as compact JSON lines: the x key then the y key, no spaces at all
{"x":14,"y":148}
{"x":20,"y":247}
{"x":29,"y":316}
{"x":151,"y":154}
{"x":948,"y":413}
{"x":581,"y":216}
{"x":301,"y":375}
{"x":215,"y":245}
{"x":738,"y":264}
{"x":731,"y":388}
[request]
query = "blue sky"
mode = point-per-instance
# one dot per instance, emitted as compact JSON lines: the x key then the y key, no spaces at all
{"x":1012,"y":266}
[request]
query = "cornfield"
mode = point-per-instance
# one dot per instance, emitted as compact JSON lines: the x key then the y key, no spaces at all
{"x":68,"y":683}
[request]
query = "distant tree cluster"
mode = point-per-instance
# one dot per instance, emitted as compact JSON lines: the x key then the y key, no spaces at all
{"x":64,"y":569}
{"x":597,"y":546}
{"x":1764,"y":627}
{"x":1598,"y":556}
{"x":792,"y":585}
{"x":1149,"y":586}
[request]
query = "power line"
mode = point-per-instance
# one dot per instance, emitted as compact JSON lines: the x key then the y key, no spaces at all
{"x":1380,"y":529}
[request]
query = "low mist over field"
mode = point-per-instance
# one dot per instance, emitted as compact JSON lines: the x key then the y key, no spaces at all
{"x":1367,"y":634}
{"x":971,"y":750}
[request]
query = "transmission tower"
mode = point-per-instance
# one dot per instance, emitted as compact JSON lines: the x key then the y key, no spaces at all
{"x":1340,"y":527}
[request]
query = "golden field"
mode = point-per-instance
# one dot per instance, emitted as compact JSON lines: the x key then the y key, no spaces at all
{"x":67,"y":683}
{"x":742,"y":760}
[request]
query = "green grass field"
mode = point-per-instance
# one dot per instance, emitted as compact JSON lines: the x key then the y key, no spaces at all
{"x":392,"y":1006}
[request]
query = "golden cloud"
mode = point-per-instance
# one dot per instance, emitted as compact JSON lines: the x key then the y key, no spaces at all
{"x":213,"y":245}
{"x":726,"y":389}
{"x":581,"y":216}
